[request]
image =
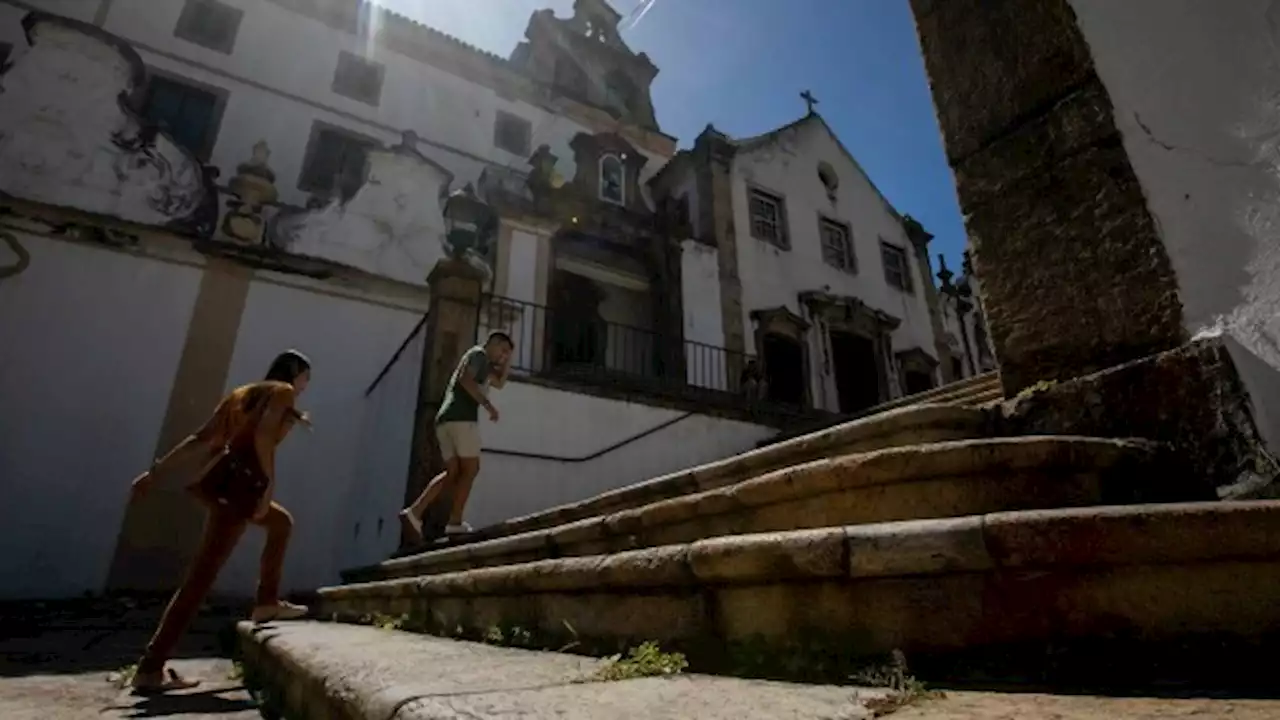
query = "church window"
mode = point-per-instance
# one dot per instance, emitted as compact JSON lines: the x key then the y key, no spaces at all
{"x":190,"y":114}
{"x":897,"y":269}
{"x":358,"y":78}
{"x":837,"y":245}
{"x":335,"y":161}
{"x":768,"y":217}
{"x":210,"y":24}
{"x":613,"y":180}
{"x":619,"y":92}
{"x":512,"y":133}
{"x":571,"y":78}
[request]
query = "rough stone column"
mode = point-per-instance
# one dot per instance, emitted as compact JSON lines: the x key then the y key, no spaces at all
{"x":1073,"y":274}
{"x":920,"y":238}
{"x":451,"y":329}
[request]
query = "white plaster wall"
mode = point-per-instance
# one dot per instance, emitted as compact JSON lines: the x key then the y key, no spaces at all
{"x":89,"y":343}
{"x":369,"y":532}
{"x":279,"y":79}
{"x":1196,"y":90}
{"x":773,"y":277}
{"x":349,"y":342}
{"x":703,"y":317}
{"x":583,"y":425}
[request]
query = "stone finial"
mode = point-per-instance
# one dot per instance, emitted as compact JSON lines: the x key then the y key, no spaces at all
{"x":541,"y":178}
{"x":253,"y":187}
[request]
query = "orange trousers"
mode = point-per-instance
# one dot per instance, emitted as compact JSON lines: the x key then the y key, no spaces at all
{"x":222,"y":531}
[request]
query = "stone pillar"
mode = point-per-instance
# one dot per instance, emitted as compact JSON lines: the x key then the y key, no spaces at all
{"x":713,"y":153}
{"x":920,"y":238}
{"x":452,"y":321}
{"x":1074,"y":277}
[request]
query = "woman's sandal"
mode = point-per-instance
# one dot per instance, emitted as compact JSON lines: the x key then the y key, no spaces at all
{"x":168,"y":681}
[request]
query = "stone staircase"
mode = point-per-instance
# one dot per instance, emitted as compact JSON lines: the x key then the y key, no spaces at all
{"x":977,"y":391}
{"x":926,"y":528}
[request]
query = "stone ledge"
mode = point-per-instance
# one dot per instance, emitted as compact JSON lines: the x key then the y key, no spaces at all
{"x":933,"y":480}
{"x":1024,"y":540}
{"x":341,"y":672}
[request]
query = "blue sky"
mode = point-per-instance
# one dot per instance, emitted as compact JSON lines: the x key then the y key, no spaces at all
{"x":741,"y":65}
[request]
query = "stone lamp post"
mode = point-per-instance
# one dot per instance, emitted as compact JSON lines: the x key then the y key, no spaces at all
{"x":960,"y":298}
{"x":470,"y":227}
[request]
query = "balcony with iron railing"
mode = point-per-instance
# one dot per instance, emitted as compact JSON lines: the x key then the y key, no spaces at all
{"x":567,"y":346}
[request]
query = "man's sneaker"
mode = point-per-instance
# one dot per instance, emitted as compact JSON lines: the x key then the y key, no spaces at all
{"x":459,"y":529}
{"x":280,"y":611}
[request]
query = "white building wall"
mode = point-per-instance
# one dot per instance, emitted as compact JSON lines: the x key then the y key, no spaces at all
{"x":349,"y":342}
{"x":1196,"y":90}
{"x":584,"y":425}
{"x":706,"y":363}
{"x":279,"y":80}
{"x":773,"y":277}
{"x":83,"y":394}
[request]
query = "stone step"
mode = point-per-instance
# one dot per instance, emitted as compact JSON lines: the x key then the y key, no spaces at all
{"x":322,"y":671}
{"x":971,"y":392}
{"x":927,"y":587}
{"x":947,"y":479}
{"x":908,"y":426}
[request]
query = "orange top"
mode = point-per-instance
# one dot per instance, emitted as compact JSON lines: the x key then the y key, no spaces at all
{"x":268,"y":401}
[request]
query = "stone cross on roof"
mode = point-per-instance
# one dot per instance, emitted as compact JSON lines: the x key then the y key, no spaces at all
{"x":809,"y":100}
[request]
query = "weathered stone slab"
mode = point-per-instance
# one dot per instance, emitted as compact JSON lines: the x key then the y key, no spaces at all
{"x":801,"y":554}
{"x":1190,"y":398}
{"x":919,"y":547}
{"x":352,"y":673}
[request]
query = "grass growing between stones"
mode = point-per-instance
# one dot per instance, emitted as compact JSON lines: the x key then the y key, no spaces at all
{"x":904,"y":690}
{"x":124,"y":676}
{"x":647,"y":660}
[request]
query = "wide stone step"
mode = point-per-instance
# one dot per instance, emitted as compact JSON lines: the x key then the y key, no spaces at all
{"x":927,"y":587}
{"x":315,"y":671}
{"x":909,"y":426}
{"x":970,"y":393}
{"x":947,"y":479}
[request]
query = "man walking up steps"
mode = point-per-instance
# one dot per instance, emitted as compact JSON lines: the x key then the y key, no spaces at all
{"x":458,"y":432}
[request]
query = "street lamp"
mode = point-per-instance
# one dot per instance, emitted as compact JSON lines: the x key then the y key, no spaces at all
{"x":960,"y":296}
{"x":470,"y":224}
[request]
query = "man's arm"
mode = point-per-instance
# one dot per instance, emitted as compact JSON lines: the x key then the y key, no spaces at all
{"x":467,"y":380}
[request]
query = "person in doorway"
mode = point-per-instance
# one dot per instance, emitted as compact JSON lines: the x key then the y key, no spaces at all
{"x":458,"y":432}
{"x":236,"y":482}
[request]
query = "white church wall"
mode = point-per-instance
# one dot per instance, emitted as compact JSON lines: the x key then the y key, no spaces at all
{"x":83,"y":394}
{"x":706,"y":364}
{"x":509,"y":486}
{"x":773,"y":277}
{"x":1196,"y":90}
{"x":349,"y":341}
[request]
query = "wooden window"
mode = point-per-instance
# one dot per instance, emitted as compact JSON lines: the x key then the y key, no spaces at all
{"x":512,"y":133}
{"x":335,"y":161}
{"x":210,"y":24}
{"x":358,"y":78}
{"x":897,"y":269}
{"x":768,"y":217}
{"x":191,"y":114}
{"x":837,"y":245}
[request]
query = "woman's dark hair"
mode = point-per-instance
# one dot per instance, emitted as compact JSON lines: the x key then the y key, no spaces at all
{"x":287,"y":366}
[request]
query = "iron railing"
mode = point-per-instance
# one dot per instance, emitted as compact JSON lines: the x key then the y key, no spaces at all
{"x":571,"y":343}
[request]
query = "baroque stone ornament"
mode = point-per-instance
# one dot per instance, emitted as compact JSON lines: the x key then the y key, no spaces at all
{"x":70,"y":136}
{"x":253,"y":186}
{"x":392,"y":226}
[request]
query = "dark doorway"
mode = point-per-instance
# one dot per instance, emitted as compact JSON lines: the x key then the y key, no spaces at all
{"x":853,"y":358}
{"x":784,"y":369}
{"x":577,"y":332}
{"x":916,"y":382}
